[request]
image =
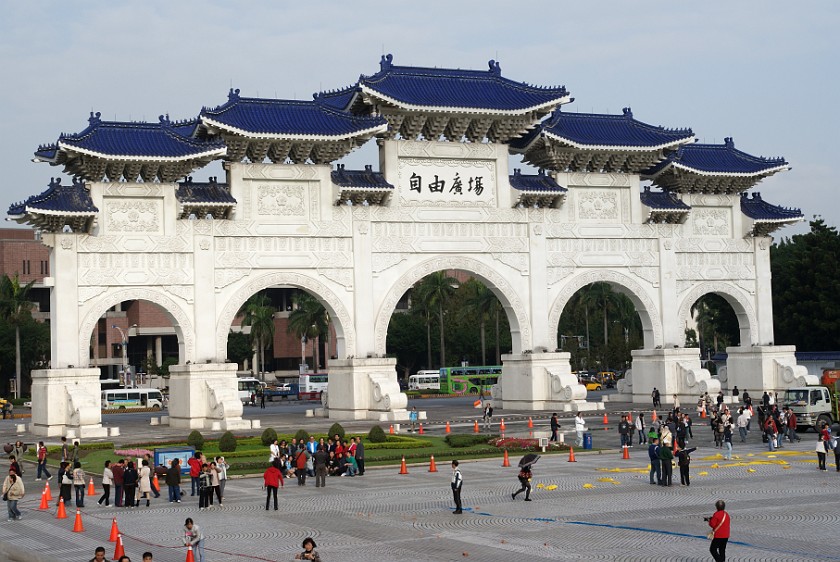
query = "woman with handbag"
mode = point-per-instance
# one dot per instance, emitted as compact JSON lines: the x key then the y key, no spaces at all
{"x":719,"y":522}
{"x":13,"y":492}
{"x":820,"y":448}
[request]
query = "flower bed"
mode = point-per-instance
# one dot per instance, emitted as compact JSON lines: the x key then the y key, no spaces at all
{"x":520,"y":444}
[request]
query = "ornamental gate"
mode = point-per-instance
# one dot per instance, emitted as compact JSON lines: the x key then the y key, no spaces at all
{"x":443,"y":198}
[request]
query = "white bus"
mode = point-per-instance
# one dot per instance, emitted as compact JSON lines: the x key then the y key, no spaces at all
{"x":130,"y":398}
{"x":312,"y":385}
{"x":248,"y":388}
{"x":424,"y":380}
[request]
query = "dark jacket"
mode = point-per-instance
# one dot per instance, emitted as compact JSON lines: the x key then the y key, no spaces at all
{"x":130,"y":477}
{"x":321,"y":459}
{"x":173,"y":475}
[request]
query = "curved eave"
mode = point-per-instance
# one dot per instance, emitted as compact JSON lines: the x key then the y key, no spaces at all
{"x":206,"y":204}
{"x":453,"y":109}
{"x":293,"y":136}
{"x":215,"y":153}
{"x":362,"y":188}
{"x":759,"y":173}
{"x":791,"y":220}
{"x":609,"y":147}
{"x":37,"y":211}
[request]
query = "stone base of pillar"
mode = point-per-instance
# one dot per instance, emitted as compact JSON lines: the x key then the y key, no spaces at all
{"x":541,"y":381}
{"x":765,"y":367}
{"x":365,"y":389}
{"x":673,"y":372}
{"x":67,"y":400}
{"x":204,"y":396}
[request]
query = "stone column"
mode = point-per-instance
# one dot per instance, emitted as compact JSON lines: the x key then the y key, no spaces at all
{"x":158,"y":351}
{"x":67,"y":399}
{"x":671,"y":371}
{"x":205,"y":395}
{"x":365,"y":389}
{"x":541,"y":381}
{"x":771,"y":368}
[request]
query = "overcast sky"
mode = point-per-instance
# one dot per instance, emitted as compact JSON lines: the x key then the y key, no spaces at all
{"x":764,"y":72}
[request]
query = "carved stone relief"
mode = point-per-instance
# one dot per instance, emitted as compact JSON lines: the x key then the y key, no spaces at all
{"x":134,"y":215}
{"x":281,"y":200}
{"x":598,"y":205}
{"x":381,"y":262}
{"x":710,"y":222}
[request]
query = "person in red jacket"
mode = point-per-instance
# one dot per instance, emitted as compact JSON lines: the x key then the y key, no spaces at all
{"x":195,"y":471}
{"x":719,"y":522}
{"x":273,"y":479}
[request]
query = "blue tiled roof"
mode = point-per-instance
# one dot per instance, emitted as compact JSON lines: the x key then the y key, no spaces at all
{"x":535,"y":182}
{"x":57,"y":199}
{"x":359,"y":179}
{"x":451,"y":88}
{"x":198,"y":193}
{"x":117,"y":139}
{"x":662,"y":200}
{"x":338,"y":99}
{"x":278,"y":118}
{"x":719,"y":159}
{"x":601,"y":130}
{"x":758,"y":209}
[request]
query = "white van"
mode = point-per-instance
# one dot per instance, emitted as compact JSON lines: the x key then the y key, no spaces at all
{"x":131,"y":398}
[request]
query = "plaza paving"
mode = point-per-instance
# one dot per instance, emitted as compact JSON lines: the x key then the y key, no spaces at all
{"x":782,"y":508}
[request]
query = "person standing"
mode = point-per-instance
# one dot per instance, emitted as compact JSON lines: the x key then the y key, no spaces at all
{"x":309,"y":552}
{"x":155,"y":487}
{"x":107,"y":480}
{"x":74,"y":453}
{"x":215,"y":483}
{"x":580,"y":427}
{"x":719,"y":522}
{"x":195,"y":472}
{"x":360,"y":456}
{"x":655,"y":464}
{"x":555,"y":425}
{"x":665,"y":458}
{"x":791,"y":423}
{"x":65,"y":450}
{"x":640,"y":427}
{"x":456,"y":483}
{"x":623,"y":430}
{"x":222,"y":467}
{"x":42,"y":462}
{"x":683,"y":461}
{"x":820,"y":448}
{"x":273,"y":479}
{"x":727,"y":440}
{"x":655,"y":397}
{"x":524,"y":477}
{"x":412,"y":418}
{"x":13,"y":491}
{"x":65,"y":477}
{"x":205,"y":488}
{"x":173,"y":481}
{"x":321,"y":459}
{"x":18,"y":451}
{"x":145,"y":481}
{"x":770,"y":431}
{"x":79,"y":483}
{"x":194,"y":538}
{"x":130,"y":478}
{"x":300,"y":464}
{"x":118,"y":470}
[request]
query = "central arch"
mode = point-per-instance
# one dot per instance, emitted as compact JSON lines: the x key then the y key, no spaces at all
{"x":646,"y":308}
{"x":515,"y":308}
{"x":343,"y":322}
{"x":744,"y":311}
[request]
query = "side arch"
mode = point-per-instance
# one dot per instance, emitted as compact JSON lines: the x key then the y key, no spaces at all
{"x":515,"y":308}
{"x":645,"y":306}
{"x":177,"y":315}
{"x":740,"y":303}
{"x":345,"y":333}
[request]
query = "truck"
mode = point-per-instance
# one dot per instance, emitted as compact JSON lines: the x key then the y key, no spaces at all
{"x":287,"y":391}
{"x":813,"y":405}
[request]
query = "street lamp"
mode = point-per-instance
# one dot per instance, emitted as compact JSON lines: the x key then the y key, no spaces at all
{"x":124,"y":352}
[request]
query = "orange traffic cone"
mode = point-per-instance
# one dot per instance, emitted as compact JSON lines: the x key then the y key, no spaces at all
{"x":606,"y":420}
{"x":703,"y":413}
{"x":530,"y":423}
{"x":44,"y":502}
{"x":675,"y":446}
{"x":391,"y":431}
{"x":432,"y":465}
{"x":653,"y":416}
{"x":190,"y":556}
{"x":448,"y":429}
{"x":156,"y":482}
{"x":91,"y":491}
{"x":119,"y":551}
{"x":115,"y":531}
{"x":421,"y":432}
{"x":47,"y":491}
{"x":626,"y":454}
{"x":572,"y":454}
{"x":77,"y":525}
{"x":475,"y":426}
{"x":403,"y":468}
{"x":61,"y":513}
{"x":502,"y":426}
{"x":506,"y":460}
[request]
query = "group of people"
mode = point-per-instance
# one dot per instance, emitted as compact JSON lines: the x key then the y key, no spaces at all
{"x":207,"y":480}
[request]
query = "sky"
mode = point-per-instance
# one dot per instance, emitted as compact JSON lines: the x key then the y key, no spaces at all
{"x":763,"y":72}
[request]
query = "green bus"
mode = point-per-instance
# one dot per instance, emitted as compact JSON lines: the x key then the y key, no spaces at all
{"x":469,"y":380}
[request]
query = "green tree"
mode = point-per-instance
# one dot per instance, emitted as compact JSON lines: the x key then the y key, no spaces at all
{"x":434,"y":292}
{"x":16,"y":307}
{"x":309,"y":319}
{"x":239,"y":347}
{"x":405,"y":340}
{"x":483,"y":303}
{"x":259,"y":315}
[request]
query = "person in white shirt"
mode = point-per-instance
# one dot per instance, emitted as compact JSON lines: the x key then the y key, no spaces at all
{"x":580,"y":427}
{"x":640,"y":427}
{"x":274,"y":451}
{"x":456,"y":483}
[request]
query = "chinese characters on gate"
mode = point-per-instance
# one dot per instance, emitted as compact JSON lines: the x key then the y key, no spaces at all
{"x":475,"y":185}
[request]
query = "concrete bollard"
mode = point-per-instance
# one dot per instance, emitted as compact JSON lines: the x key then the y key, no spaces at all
{"x":216,"y":426}
{"x":21,"y":427}
{"x":256,"y":424}
{"x":310,"y":413}
{"x":113,"y":431}
{"x":154,"y":421}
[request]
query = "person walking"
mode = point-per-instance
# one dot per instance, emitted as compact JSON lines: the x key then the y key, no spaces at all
{"x":193,"y":537}
{"x":173,"y":481}
{"x":554,"y":423}
{"x":524,"y":477}
{"x":640,"y":427}
{"x":770,"y":432}
{"x":273,"y":479}
{"x":457,"y":483}
{"x":79,"y":483}
{"x":580,"y":427}
{"x":360,"y":456}
{"x":727,"y":440}
{"x":719,"y":522}
{"x":107,"y":480}
{"x":683,"y":461}
{"x":321,"y":459}
{"x":13,"y":491}
{"x":655,"y":397}
{"x":821,"y":449}
{"x":42,"y":462}
{"x":130,"y":478}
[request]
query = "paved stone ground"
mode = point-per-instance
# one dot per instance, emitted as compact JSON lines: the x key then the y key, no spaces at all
{"x":782,"y":508}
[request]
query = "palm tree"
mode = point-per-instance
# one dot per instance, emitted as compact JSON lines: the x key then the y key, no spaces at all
{"x":483,"y":302}
{"x":600,"y":294}
{"x":15,"y":305}
{"x":309,"y":319}
{"x":434,"y":291}
{"x":259,"y":314}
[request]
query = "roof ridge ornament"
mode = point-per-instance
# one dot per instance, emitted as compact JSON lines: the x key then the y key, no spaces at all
{"x":495,"y":68}
{"x":94,"y":119}
{"x":164,"y":120}
{"x":728,"y":142}
{"x":386,"y":62}
{"x":233,"y":95}
{"x":629,"y":113}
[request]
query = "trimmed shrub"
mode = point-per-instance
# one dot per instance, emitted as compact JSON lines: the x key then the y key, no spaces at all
{"x":227,"y":443}
{"x":459,"y":441}
{"x":196,"y":440}
{"x":336,"y":428}
{"x":302,"y":435}
{"x":268,"y":436}
{"x":377,"y":435}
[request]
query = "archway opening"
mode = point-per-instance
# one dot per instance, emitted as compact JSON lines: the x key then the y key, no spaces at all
{"x":280,"y":333}
{"x":449,"y":319}
{"x":599,"y":327}
{"x":712,"y":327}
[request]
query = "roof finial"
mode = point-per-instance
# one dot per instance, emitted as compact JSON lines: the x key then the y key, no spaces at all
{"x":728,"y":142}
{"x":233,"y":95}
{"x":628,"y":112}
{"x":385,"y":62}
{"x":94,"y":118}
{"x":164,"y":120}
{"x":495,"y":68}
{"x":55,"y":182}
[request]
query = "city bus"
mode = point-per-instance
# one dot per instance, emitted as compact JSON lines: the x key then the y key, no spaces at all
{"x":469,"y":380}
{"x":311,"y":385}
{"x":424,"y":380}
{"x":247,"y":388}
{"x":132,"y":398}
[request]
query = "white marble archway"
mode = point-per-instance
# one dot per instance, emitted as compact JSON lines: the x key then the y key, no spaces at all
{"x":737,"y":299}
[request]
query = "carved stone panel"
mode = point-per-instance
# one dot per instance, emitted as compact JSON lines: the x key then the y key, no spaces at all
{"x":598,"y":205}
{"x":436,"y":182}
{"x":134,"y":215}
{"x":281,"y":200}
{"x":711,"y":221}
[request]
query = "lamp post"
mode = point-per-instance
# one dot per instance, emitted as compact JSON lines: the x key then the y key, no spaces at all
{"x":124,"y":352}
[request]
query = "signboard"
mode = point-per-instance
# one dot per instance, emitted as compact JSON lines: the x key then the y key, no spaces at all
{"x":439,"y":181}
{"x":165,"y":456}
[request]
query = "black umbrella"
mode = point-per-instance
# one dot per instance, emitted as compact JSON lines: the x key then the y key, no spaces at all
{"x":528,"y":460}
